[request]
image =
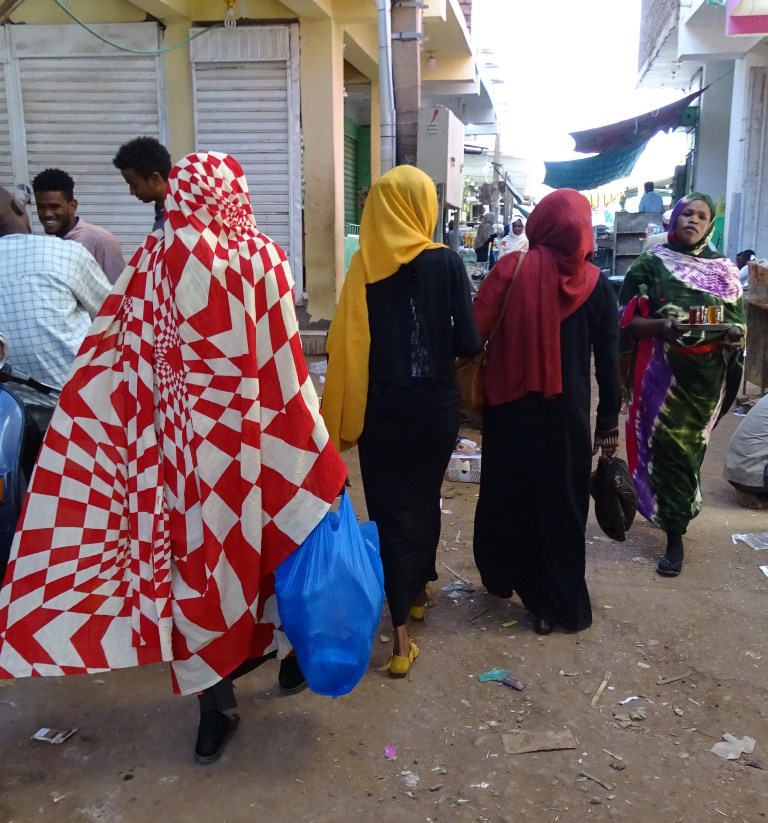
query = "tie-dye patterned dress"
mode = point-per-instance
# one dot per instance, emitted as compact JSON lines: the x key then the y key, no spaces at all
{"x":677,"y":391}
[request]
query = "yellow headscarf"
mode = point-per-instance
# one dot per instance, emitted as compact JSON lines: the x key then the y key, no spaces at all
{"x":398,"y":222}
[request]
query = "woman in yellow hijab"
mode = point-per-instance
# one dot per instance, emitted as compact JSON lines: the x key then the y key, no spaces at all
{"x":405,"y":313}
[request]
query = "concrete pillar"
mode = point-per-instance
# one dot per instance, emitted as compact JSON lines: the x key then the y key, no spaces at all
{"x":496,"y":195}
{"x":322,"y":98}
{"x":745,"y":149}
{"x":178,"y":96}
{"x":714,"y":125}
{"x":406,"y":76}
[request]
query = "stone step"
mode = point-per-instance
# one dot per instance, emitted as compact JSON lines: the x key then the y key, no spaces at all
{"x":313,"y":342}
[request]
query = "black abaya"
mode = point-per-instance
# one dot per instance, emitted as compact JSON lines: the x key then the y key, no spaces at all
{"x":403,"y":462}
{"x":420,"y":319}
{"x":534,"y":489}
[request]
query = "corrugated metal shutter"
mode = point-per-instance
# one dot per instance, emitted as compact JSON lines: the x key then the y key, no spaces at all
{"x":350,"y":179}
{"x":242,"y":109}
{"x":6,"y":162}
{"x":77,"y":113}
{"x":246,"y":103}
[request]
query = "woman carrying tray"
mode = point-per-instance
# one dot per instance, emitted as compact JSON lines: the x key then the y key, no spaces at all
{"x":682,"y":378}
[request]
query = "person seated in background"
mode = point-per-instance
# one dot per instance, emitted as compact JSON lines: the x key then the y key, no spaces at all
{"x":746,"y":459}
{"x":54,"y":192}
{"x":650,"y":201}
{"x":145,"y":165}
{"x":50,"y":292}
{"x":743,"y":259}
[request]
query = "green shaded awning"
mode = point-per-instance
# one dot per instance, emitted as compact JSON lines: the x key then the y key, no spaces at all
{"x":591,"y":172}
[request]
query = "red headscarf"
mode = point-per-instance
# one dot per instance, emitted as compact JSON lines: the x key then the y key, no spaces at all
{"x":554,"y":280}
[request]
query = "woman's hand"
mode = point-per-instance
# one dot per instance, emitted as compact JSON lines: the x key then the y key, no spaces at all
{"x":670,"y":331}
{"x":606,"y":442}
{"x":653,"y":327}
{"x":734,"y":339}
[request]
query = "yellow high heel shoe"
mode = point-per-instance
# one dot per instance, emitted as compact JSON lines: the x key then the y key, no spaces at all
{"x":399,"y":665}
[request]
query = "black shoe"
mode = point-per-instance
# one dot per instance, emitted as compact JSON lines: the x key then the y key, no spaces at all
{"x":543,"y":627}
{"x":669,"y":568}
{"x":214,"y":731}
{"x":291,"y":678}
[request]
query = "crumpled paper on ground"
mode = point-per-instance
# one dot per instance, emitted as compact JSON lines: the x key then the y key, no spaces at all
{"x":733,"y":748}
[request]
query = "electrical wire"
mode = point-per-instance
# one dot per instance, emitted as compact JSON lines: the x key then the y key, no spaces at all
{"x":150,"y":52}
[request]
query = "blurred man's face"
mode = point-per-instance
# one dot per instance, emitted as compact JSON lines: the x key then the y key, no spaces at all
{"x":55,"y":212}
{"x":147,"y":189}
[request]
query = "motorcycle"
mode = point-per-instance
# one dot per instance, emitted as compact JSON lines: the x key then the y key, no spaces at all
{"x":20,"y":440}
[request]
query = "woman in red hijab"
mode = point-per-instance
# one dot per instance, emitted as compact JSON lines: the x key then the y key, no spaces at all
{"x":537,"y":443}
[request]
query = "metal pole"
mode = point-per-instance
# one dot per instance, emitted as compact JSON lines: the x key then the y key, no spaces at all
{"x":386,"y":92}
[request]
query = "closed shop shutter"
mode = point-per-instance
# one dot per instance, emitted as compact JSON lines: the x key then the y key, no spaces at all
{"x":81,"y":100}
{"x":350,"y":179}
{"x":246,"y":105}
{"x":242,"y":109}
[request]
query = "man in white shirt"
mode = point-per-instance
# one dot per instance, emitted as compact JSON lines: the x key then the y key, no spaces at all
{"x":50,"y":291}
{"x":746,"y":460}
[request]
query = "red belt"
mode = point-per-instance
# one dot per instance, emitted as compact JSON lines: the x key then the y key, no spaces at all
{"x":701,"y":348}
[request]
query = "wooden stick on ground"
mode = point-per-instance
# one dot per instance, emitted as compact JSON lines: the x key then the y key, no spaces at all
{"x":601,"y":688}
{"x":662,"y":681}
{"x":597,"y":780}
{"x":458,"y":576}
{"x":614,"y":756}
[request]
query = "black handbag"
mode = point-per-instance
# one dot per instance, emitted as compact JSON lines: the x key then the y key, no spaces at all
{"x":615,"y":497}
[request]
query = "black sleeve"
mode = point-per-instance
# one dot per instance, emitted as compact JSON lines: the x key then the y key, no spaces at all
{"x":606,"y":349}
{"x":466,"y":339}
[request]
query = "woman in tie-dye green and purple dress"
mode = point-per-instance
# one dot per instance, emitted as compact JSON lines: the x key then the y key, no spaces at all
{"x":681,"y":381}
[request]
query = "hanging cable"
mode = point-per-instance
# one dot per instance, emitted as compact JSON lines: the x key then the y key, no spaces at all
{"x":147,"y":52}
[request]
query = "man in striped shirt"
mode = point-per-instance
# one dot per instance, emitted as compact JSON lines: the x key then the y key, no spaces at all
{"x":50,"y":291}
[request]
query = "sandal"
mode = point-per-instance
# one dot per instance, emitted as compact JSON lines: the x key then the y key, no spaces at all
{"x":399,"y":665}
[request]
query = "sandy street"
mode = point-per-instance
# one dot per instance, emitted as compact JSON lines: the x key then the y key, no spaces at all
{"x":307,"y":758}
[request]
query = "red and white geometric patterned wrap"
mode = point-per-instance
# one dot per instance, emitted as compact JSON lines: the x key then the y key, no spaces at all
{"x":186,"y":459}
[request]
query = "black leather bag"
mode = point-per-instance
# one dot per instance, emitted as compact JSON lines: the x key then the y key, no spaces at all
{"x":615,"y":497}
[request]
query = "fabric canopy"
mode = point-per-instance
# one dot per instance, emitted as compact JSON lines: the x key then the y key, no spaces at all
{"x":591,"y":172}
{"x":637,"y":129}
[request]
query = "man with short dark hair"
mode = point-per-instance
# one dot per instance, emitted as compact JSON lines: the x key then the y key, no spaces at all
{"x":54,"y":193}
{"x":145,"y":165}
{"x":650,"y":201}
{"x":743,"y":259}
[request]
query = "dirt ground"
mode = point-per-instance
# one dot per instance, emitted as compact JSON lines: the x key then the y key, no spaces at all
{"x":309,"y":758}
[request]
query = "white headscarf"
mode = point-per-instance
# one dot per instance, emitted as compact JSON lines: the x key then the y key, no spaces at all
{"x":514,"y":242}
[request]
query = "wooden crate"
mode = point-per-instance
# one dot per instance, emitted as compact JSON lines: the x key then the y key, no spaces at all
{"x":756,"y":365}
{"x":758,"y":283}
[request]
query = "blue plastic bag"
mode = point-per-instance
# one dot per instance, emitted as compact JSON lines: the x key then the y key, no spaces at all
{"x":330,"y":593}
